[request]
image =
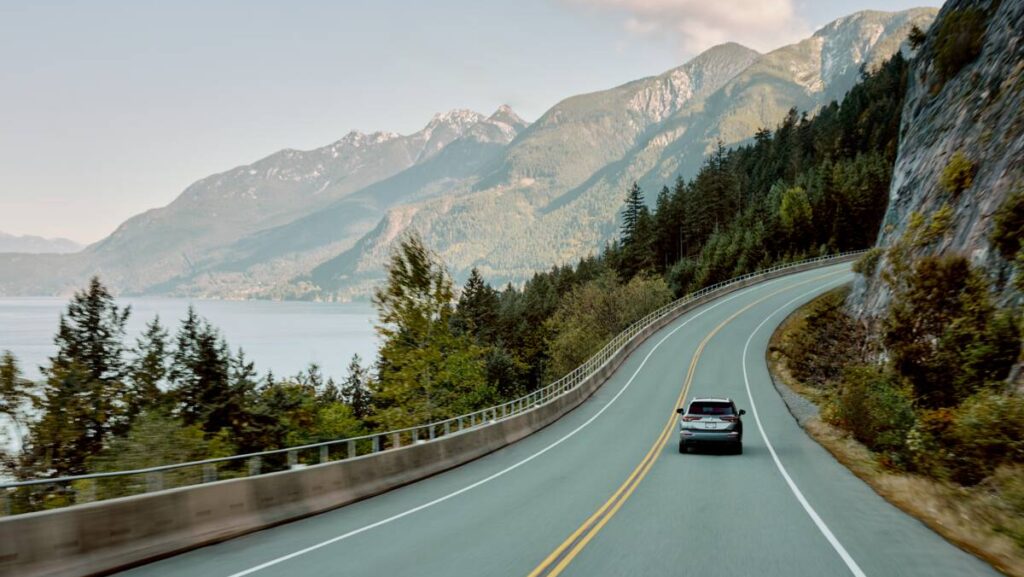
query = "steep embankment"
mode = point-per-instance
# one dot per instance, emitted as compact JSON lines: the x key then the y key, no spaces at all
{"x":965,"y":104}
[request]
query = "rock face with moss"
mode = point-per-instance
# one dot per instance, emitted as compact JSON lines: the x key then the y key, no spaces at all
{"x":962,"y":142}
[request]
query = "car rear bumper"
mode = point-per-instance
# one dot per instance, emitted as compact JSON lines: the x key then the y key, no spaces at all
{"x":717,"y":437}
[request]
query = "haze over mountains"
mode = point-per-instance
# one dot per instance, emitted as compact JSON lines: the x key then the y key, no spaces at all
{"x":36,"y":244}
{"x":488,"y":191}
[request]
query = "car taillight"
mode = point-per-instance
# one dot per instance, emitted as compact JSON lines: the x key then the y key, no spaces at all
{"x":730,"y":419}
{"x":689,"y":418}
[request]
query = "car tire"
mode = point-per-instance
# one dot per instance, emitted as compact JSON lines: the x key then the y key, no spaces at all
{"x":682,"y":447}
{"x":739,"y":449}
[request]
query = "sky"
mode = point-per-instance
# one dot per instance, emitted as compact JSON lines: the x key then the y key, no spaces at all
{"x":108,"y":109}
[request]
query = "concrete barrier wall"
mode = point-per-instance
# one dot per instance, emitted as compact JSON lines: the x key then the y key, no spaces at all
{"x":101,"y":537}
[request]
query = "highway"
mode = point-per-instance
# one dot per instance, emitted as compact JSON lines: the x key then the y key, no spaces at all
{"x":604,"y":491}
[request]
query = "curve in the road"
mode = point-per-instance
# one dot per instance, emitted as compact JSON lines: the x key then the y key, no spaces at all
{"x":563,"y":555}
{"x":504,"y":513}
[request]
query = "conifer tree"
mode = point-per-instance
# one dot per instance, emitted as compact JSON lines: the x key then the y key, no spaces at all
{"x":15,"y":392}
{"x":631,"y":214}
{"x":149,"y":368}
{"x":200,"y":372}
{"x":84,"y":400}
{"x":477,"y":312}
{"x":355,"y":390}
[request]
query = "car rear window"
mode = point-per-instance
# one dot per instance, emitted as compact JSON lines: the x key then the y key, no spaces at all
{"x":710,"y":408}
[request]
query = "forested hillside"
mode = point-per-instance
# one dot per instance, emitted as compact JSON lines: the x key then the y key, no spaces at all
{"x":644,"y":132}
{"x":813,"y":186}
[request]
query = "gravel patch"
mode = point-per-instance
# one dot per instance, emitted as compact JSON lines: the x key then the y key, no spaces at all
{"x":801,"y":409}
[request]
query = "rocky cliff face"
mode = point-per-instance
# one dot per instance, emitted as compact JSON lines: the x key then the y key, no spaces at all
{"x":975,"y":113}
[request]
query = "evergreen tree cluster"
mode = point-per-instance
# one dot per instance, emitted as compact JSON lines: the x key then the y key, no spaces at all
{"x":100,"y":393}
{"x":813,"y":186}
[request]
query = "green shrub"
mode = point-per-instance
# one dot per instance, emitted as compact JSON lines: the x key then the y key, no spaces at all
{"x":876,"y":409}
{"x":958,"y":175}
{"x":987,"y":431}
{"x":1008,"y":226}
{"x":823,"y":343}
{"x":929,"y":443}
{"x":1008,"y":233}
{"x":943,"y":333}
{"x":958,"y":41}
{"x":868,"y":262}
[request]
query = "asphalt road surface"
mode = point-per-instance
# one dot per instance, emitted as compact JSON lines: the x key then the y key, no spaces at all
{"x":604,"y":491}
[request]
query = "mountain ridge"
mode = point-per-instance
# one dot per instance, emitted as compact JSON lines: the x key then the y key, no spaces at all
{"x":317,"y":224}
{"x":33,"y":244}
{"x":677,"y":144}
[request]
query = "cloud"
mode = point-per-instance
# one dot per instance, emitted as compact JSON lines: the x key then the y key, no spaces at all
{"x":699,"y":24}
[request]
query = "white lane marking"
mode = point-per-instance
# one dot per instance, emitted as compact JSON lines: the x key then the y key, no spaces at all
{"x":850,"y":563}
{"x":510,"y":468}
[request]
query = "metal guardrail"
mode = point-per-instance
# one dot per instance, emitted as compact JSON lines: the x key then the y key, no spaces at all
{"x":84,"y":487}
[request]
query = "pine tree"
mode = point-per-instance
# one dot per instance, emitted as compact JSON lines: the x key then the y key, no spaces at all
{"x":635,"y":205}
{"x":15,"y":392}
{"x":476,"y":314}
{"x":637,"y":234}
{"x":84,"y":400}
{"x":149,"y":368}
{"x":244,"y":379}
{"x":200,"y":373}
{"x":330,"y":394}
{"x":355,"y":390}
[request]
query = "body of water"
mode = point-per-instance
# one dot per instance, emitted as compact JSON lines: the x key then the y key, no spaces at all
{"x":280,"y":336}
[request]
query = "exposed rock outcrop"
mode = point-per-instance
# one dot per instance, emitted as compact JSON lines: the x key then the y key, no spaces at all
{"x":975,"y":112}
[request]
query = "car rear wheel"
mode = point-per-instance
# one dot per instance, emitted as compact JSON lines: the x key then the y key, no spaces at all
{"x":739,"y":449}
{"x":682,"y":447}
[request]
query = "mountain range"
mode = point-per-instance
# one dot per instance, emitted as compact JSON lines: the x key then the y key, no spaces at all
{"x":492,"y":192}
{"x":36,"y":244}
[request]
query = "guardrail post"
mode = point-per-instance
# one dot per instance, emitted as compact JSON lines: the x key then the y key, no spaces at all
{"x":396,"y":440}
{"x":154,"y":481}
{"x":447,"y":428}
{"x":293,"y":458}
{"x":351,"y":449}
{"x":325,"y":453}
{"x":5,"y":502}
{"x":431,"y":432}
{"x":209,"y":473}
{"x":254,"y":466}
{"x":376,"y":444}
{"x":415,"y":435}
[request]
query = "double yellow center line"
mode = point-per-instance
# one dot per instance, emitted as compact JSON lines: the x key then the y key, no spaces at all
{"x":563,"y":555}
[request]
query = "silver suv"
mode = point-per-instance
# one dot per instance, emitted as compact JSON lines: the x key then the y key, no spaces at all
{"x":711,"y":421}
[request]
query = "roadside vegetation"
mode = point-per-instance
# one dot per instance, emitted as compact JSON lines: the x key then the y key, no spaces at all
{"x":932,"y":413}
{"x":812,"y":186}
